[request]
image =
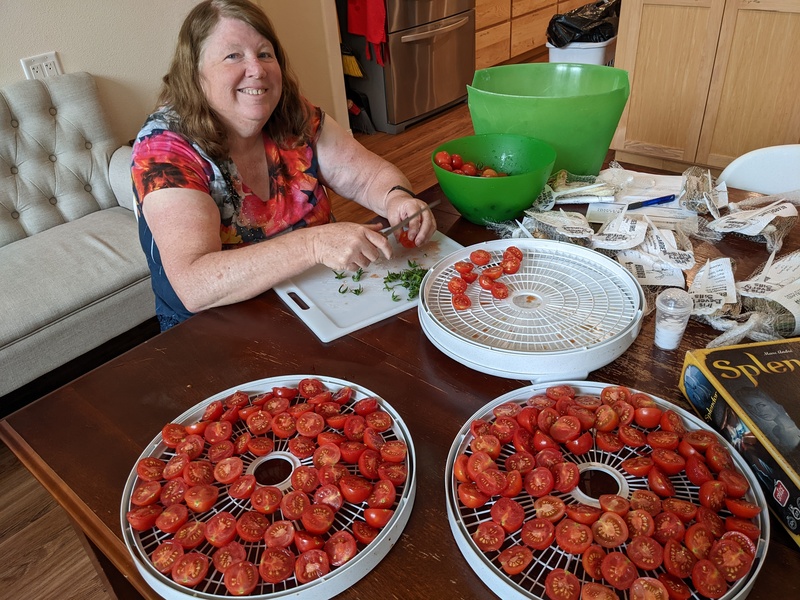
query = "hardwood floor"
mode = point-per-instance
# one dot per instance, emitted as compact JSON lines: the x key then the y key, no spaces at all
{"x":42,"y":556}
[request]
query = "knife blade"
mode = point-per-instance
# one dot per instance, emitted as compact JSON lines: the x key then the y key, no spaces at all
{"x":386,"y":232}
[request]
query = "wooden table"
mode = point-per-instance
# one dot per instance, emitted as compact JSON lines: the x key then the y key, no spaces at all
{"x":82,"y":440}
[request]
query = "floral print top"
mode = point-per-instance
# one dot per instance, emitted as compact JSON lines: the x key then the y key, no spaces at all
{"x":163,"y":158}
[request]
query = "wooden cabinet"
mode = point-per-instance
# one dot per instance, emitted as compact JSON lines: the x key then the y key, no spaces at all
{"x":507,"y":29}
{"x":710,"y":80}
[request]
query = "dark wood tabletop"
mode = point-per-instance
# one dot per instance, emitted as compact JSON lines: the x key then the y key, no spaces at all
{"x":82,"y":441}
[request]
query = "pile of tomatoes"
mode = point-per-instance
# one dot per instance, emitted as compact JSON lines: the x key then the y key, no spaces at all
{"x":649,"y":544}
{"x":487,"y":277}
{"x":349,"y":457}
{"x":456,"y":164}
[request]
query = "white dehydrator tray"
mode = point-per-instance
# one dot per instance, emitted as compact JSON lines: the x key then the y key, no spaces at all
{"x":529,"y":584}
{"x":141,"y":544}
{"x":570,"y":310}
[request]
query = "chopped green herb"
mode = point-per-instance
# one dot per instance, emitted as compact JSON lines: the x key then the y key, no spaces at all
{"x":409,"y":278}
{"x":357,"y":291}
{"x":343,"y":288}
{"x":358,"y":274}
{"x":339,"y":274}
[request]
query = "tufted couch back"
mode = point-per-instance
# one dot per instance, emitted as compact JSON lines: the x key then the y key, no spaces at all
{"x":55,"y":148}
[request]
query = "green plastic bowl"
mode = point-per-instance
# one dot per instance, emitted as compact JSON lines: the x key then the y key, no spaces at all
{"x":527,"y":161}
{"x":573,"y":107}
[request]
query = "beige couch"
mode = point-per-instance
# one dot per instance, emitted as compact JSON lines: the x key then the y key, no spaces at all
{"x":72,"y":272}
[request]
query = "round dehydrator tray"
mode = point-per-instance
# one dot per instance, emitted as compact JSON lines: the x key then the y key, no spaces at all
{"x":530,"y":583}
{"x":570,"y":310}
{"x":141,"y":544}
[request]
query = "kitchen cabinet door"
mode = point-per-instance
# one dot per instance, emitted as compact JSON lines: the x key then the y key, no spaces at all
{"x":492,"y":32}
{"x":755,"y":86}
{"x":668,"y":48}
{"x":529,"y":21}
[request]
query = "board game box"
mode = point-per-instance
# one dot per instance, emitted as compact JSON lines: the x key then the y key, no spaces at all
{"x":750,"y":393}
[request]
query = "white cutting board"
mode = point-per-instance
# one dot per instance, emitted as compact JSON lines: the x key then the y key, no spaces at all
{"x":314,"y":295}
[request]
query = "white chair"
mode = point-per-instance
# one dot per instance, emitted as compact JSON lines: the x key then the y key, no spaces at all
{"x":770,"y":170}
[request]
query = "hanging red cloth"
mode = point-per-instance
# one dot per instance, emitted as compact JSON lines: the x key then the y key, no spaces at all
{"x":368,"y":18}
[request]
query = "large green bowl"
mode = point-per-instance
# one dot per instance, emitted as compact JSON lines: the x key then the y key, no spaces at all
{"x":527,"y":161}
{"x":573,"y":107}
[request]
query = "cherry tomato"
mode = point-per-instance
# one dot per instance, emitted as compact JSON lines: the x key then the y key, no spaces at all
{"x":640,"y":522}
{"x":276,"y":565}
{"x":354,"y":488}
{"x":405,"y":241}
{"x":200,"y":498}
{"x":241,"y":578}
{"x":143,"y":518}
{"x":480,"y":257}
{"x":712,"y":495}
{"x":146,"y":493}
{"x":645,"y":552}
{"x":668,"y":526}
{"x":538,"y":533}
{"x":190,"y":569}
{"x":340,"y":548}
{"x":614,"y":503}
{"x":378,"y":517}
{"x":610,"y":530}
{"x":461,"y":301}
{"x":551,"y":508}
{"x":251,"y":526}
{"x":708,"y":580}
{"x":228,"y":555}
{"x":596,"y":591}
{"x":489,"y":536}
{"x":618,"y":570}
{"x":592,"y":559}
{"x":166,"y":555}
{"x":736,"y":484}
{"x":539,"y":482}
{"x":562,"y":585}
{"x":499,"y":290}
{"x":566,"y":477}
{"x":228,"y":470}
{"x":678,"y":559}
{"x":676,"y":588}
{"x":150,"y":468}
{"x":669,"y":461}
{"x":698,"y":540}
{"x":364,"y":533}
{"x":573,"y":537}
{"x":507,"y":513}
{"x":279,"y":534}
{"x":441,"y":158}
{"x":457,"y":285}
{"x":191,"y":534}
{"x":221,"y":529}
{"x":648,"y":588}
{"x":515,"y":559}
{"x":658,"y":482}
{"x":172,"y":518}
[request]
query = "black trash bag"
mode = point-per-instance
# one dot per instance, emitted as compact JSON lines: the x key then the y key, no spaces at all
{"x":596,"y":22}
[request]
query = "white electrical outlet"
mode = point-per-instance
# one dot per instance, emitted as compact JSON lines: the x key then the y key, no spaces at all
{"x":41,"y":66}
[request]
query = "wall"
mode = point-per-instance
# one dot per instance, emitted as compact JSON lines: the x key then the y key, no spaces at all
{"x":128,"y":44}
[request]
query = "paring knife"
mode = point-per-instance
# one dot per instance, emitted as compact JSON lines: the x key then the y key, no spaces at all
{"x":390,"y":230}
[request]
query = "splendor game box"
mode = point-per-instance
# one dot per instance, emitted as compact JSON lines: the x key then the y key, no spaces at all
{"x":750,"y":393}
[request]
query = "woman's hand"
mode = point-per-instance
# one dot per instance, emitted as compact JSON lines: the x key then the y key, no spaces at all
{"x":348,"y":246}
{"x":400,"y":205}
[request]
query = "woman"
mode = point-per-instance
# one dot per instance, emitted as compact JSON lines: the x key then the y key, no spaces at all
{"x":235,"y":155}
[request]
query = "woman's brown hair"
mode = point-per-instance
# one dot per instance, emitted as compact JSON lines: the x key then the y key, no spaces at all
{"x":290,"y":121}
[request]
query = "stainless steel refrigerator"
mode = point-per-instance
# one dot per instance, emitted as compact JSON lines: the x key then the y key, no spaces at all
{"x":430,"y":62}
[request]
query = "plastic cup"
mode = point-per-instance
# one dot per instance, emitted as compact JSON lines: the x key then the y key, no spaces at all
{"x":673,"y":307}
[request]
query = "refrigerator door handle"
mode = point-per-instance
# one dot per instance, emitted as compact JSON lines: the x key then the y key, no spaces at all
{"x":415,"y":37}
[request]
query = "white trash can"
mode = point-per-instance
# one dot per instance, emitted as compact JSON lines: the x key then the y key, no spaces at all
{"x":587,"y":53}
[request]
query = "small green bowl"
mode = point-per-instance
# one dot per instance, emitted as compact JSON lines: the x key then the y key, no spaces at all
{"x":527,"y":161}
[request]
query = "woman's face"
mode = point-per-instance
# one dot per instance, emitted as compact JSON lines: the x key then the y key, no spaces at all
{"x":240,"y":76}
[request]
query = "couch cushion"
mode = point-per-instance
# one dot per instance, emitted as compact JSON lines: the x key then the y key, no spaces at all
{"x":73,"y":265}
{"x":55,"y":146}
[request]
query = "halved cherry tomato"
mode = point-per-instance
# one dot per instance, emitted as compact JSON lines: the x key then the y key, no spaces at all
{"x":551,"y":508}
{"x":736,"y":484}
{"x":173,"y":492}
{"x":279,"y":534}
{"x":461,"y":301}
{"x":241,"y":578}
{"x":708,"y":580}
{"x":378,"y":517}
{"x":638,"y":466}
{"x":489,"y":536}
{"x":294,"y":504}
{"x":221,"y":529}
{"x":354,"y":488}
{"x":507,"y":513}
{"x":683,"y":509}
{"x":562,"y":585}
{"x":191,"y":534}
{"x":566,"y":476}
{"x":583,"y":513}
{"x":201,"y":498}
{"x":539,"y":482}
{"x":276,"y":565}
{"x":659,"y":483}
{"x":364,"y":533}
{"x":669,"y":461}
{"x":699,"y":539}
{"x":592,"y":559}
{"x":172,"y":518}
{"x":645,"y":500}
{"x":538,"y":533}
{"x":515,"y":559}
{"x":597,"y":591}
{"x":614,"y":503}
{"x":648,"y":417}
{"x":166,"y":555}
{"x":610,"y":530}
{"x":251,"y":526}
{"x":499,"y":290}
{"x":266,"y":499}
{"x":146,"y":493}
{"x":678,"y":559}
{"x":640,"y":522}
{"x":143,"y":518}
{"x":228,"y":555}
{"x":480,"y":257}
{"x":712,"y":495}
{"x":329,"y":494}
{"x":190,"y":569}
{"x":573,"y":537}
{"x":303,"y":540}
{"x":228,"y":469}
{"x":676,"y":588}
{"x":150,"y":468}
{"x":618,"y":570}
{"x":668,"y":526}
{"x":608,"y":441}
{"x":663,"y":439}
{"x":340,"y":548}
{"x":645,"y":552}
{"x":648,"y":588}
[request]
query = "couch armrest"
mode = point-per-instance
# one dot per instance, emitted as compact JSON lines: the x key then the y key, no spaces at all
{"x":119,"y":174}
